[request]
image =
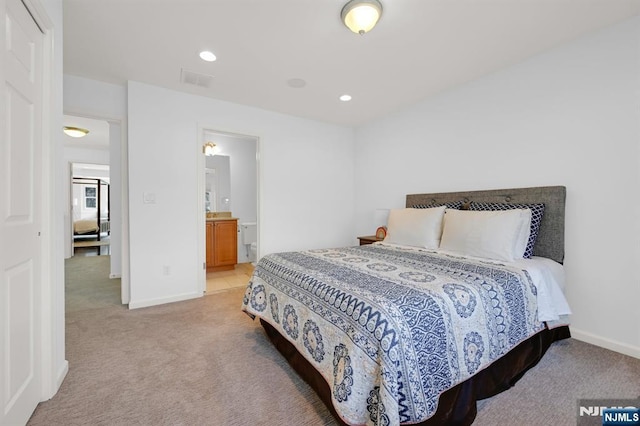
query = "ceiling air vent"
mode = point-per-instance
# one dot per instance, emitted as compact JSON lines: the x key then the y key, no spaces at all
{"x":196,"y":79}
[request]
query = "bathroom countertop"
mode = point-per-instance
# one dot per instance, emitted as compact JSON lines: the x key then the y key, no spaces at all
{"x":217,"y":219}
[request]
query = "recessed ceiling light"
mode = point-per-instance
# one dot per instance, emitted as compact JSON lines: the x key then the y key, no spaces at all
{"x":207,"y":56}
{"x":296,"y":83}
{"x":345,"y":98}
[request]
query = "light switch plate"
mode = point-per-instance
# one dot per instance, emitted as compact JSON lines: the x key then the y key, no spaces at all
{"x":149,"y":197}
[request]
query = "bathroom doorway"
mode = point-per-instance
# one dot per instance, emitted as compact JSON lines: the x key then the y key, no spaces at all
{"x":229,"y":180}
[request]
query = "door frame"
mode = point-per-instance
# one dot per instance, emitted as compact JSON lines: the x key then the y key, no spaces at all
{"x":70,"y":206}
{"x":123,"y":159}
{"x":200,"y":220}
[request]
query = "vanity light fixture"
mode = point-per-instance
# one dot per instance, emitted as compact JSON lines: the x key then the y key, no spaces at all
{"x":75,"y":132}
{"x":360,"y":16}
{"x":209,"y":149}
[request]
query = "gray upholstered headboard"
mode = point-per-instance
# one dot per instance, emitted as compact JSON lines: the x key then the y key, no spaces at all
{"x":550,"y":242}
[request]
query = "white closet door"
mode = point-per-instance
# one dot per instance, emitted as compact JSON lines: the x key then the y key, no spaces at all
{"x":20,"y":213}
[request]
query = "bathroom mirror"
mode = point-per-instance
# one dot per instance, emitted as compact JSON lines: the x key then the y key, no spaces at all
{"x":217,"y":184}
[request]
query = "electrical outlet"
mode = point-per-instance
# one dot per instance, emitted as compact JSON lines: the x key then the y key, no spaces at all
{"x":166,"y":270}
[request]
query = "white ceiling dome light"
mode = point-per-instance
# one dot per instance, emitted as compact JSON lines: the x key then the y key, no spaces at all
{"x":360,"y":16}
{"x":75,"y":132}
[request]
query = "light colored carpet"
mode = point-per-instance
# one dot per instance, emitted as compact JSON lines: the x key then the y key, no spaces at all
{"x":87,"y":284}
{"x":204,"y":362}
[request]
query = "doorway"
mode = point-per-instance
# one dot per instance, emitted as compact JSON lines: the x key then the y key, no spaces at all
{"x":104,"y":144}
{"x":90,"y":209}
{"x":88,"y":159}
{"x":229,"y":185}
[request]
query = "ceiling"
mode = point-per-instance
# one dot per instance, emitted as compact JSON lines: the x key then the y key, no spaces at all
{"x":418,"y":49}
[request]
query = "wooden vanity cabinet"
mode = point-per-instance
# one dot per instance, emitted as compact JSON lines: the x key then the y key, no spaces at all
{"x":222,"y":244}
{"x":210,"y":258}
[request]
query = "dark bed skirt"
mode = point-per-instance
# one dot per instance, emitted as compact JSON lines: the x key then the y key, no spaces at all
{"x":457,"y":405}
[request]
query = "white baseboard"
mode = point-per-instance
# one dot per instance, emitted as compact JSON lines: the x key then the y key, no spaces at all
{"x":62,"y":373}
{"x":47,"y":392}
{"x":161,"y":301}
{"x":613,"y":345}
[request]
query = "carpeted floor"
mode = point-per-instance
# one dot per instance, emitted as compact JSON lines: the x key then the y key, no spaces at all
{"x":204,"y":362}
{"x":87,"y":284}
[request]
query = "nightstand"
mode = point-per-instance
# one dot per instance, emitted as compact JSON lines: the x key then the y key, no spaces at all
{"x":369,"y":239}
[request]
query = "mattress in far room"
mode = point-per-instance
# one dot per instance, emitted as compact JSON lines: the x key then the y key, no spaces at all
{"x":85,"y":226}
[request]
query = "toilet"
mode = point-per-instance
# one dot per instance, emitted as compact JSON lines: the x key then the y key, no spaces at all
{"x":250,"y":239}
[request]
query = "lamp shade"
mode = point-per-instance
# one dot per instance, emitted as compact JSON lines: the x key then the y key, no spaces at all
{"x":360,"y":16}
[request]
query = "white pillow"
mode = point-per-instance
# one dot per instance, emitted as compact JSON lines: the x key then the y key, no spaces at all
{"x":415,"y":227}
{"x":495,"y":235}
{"x":525,"y":232}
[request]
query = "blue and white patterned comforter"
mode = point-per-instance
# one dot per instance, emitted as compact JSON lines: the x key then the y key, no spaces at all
{"x":391,"y":328}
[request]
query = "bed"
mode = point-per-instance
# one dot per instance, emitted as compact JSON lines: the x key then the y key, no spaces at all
{"x":95,"y":209}
{"x":415,"y":332}
{"x":85,"y":227}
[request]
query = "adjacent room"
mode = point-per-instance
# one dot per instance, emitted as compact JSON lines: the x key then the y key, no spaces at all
{"x":90,"y":211}
{"x":295,"y":213}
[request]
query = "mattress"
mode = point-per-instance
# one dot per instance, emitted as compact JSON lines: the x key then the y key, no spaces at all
{"x":85,"y":226}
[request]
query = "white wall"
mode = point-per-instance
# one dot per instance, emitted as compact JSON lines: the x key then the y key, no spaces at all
{"x":567,"y":117}
{"x":94,"y":99}
{"x":306,"y":185}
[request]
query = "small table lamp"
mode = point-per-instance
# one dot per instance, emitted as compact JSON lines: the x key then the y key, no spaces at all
{"x":380,"y":217}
